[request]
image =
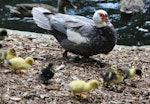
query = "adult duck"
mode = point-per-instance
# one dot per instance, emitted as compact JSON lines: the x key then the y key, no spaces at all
{"x":24,"y":9}
{"x":78,"y":34}
{"x":131,"y":6}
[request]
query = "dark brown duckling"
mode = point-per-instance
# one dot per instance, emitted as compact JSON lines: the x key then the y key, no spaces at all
{"x":24,"y":9}
{"x":47,"y":73}
{"x":3,"y":34}
{"x":131,"y":6}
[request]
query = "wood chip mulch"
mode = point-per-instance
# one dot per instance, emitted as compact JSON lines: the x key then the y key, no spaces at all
{"x":27,"y":89}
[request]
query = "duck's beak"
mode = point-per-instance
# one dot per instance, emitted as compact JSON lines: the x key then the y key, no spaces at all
{"x":105,"y":18}
{"x":72,"y":5}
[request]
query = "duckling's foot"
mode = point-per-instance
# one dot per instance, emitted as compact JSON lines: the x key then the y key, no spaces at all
{"x":20,"y":71}
{"x":83,"y":96}
{"x":46,"y":82}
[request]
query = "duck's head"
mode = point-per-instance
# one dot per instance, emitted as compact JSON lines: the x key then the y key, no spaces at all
{"x":100,"y":18}
{"x":29,"y":60}
{"x":94,"y":83}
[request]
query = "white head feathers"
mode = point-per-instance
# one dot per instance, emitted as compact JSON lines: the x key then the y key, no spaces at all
{"x":100,"y":18}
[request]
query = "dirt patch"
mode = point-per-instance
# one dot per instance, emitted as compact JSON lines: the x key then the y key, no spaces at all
{"x":27,"y":89}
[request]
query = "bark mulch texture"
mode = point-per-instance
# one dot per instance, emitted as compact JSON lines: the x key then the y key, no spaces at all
{"x":27,"y":89}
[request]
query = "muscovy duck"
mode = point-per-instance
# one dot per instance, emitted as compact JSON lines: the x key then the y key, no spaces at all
{"x":78,"y":34}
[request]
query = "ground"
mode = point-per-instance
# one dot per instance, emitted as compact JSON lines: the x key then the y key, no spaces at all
{"x":27,"y":89}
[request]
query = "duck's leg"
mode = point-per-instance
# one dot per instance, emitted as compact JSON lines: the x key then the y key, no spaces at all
{"x":65,"y":54}
{"x":71,"y":58}
{"x":92,"y":60}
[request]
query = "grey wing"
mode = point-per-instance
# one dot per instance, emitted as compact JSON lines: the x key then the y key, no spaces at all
{"x":79,"y":24}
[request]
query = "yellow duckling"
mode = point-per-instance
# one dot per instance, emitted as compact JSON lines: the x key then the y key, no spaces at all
{"x":7,"y":54}
{"x":79,"y":86}
{"x":19,"y":64}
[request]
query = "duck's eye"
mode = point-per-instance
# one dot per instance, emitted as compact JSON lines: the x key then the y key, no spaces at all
{"x":101,"y":15}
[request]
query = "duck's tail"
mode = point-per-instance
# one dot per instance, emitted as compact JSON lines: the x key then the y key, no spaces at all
{"x":41,"y":17}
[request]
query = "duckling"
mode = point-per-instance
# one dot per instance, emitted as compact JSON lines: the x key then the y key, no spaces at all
{"x":19,"y":65}
{"x":112,"y":76}
{"x":112,"y":68}
{"x":131,"y":6}
{"x":130,"y":72}
{"x":47,"y":73}
{"x":24,"y":9}
{"x":7,"y":54}
{"x":3,"y":34}
{"x":79,"y":86}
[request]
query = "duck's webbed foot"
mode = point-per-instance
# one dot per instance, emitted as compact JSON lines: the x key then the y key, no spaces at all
{"x":92,"y":60}
{"x":74,"y":58}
